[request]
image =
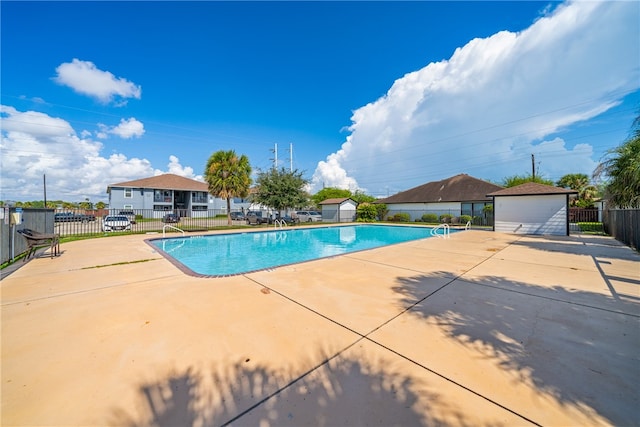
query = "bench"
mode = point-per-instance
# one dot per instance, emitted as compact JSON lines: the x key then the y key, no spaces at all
{"x":36,"y":239}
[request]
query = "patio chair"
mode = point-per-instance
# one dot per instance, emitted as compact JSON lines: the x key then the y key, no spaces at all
{"x":36,"y":239}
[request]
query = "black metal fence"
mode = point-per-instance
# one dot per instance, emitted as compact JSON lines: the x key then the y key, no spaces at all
{"x":624,"y":225}
{"x":144,"y":221}
{"x":451,"y":216}
{"x":80,"y":222}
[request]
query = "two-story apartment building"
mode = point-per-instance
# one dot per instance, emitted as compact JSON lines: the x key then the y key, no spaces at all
{"x":155,"y":196}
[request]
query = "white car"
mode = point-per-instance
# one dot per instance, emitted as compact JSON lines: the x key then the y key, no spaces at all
{"x":309,"y":216}
{"x":116,"y":223}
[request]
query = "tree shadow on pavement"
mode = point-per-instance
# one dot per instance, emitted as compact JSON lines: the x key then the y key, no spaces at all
{"x":595,"y":246}
{"x":343,"y":393}
{"x":578,"y":352}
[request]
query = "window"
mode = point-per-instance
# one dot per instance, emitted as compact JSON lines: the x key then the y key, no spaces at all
{"x":474,"y":209}
{"x":162,"y":196}
{"x":161,"y":207}
{"x":466,"y":209}
{"x":199,"y":197}
{"x":128,"y":193}
{"x":127,"y":206}
{"x":198,"y":208}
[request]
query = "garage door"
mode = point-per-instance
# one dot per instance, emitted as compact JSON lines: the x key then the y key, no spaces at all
{"x":543,"y":214}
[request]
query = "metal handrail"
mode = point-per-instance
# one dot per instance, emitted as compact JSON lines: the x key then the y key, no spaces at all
{"x":445,"y":231}
{"x":171,"y":226}
{"x":280,"y":223}
{"x":468,"y":226}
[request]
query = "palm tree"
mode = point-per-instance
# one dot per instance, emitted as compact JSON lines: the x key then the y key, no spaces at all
{"x":228,"y":176}
{"x":579,"y":182}
{"x":623,"y":169}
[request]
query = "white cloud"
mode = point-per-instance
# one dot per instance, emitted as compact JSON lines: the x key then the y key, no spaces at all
{"x":34,"y":144}
{"x":493,"y":103}
{"x":176,"y":168}
{"x":126,"y":129}
{"x":86,"y":79}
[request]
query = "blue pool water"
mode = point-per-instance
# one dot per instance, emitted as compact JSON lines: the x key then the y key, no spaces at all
{"x":238,"y":253}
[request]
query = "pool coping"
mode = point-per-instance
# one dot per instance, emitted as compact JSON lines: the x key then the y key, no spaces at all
{"x":188,"y":271}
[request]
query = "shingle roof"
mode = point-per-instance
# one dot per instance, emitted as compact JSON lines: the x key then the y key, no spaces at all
{"x":531,"y":189}
{"x":334,"y":201}
{"x":167,"y":181}
{"x":459,"y":188}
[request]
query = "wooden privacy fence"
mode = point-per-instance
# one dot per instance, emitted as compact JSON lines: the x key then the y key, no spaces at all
{"x":624,"y":225}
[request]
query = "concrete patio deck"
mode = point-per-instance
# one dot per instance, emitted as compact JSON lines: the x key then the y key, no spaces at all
{"x":482,"y":329}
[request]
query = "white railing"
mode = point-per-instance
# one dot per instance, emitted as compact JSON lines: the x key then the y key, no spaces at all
{"x":279,"y":223}
{"x":468,"y":226}
{"x":170,"y":226}
{"x":445,"y":231}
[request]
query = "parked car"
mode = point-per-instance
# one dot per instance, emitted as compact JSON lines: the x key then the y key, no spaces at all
{"x":285,"y":218}
{"x":238,"y":216}
{"x":72,"y":217}
{"x":289,"y":220}
{"x":116,"y":223}
{"x":131,"y":215}
{"x":256,"y":218}
{"x":170,"y":218}
{"x":309,"y":216}
{"x":87,"y":218}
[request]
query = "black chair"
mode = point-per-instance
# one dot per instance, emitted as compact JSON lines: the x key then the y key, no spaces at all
{"x":36,"y":239}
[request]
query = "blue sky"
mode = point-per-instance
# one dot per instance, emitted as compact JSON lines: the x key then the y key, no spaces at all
{"x":378,"y":96}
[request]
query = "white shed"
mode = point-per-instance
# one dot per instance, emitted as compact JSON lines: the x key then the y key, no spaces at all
{"x":532,"y":208}
{"x":339,"y":210}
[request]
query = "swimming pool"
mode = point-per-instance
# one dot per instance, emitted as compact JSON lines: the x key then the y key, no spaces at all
{"x":239,"y":253}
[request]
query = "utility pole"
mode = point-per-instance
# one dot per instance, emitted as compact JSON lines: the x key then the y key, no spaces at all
{"x":275,"y":159}
{"x":533,"y":167}
{"x":291,"y":157}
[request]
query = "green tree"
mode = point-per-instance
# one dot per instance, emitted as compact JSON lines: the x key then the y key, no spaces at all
{"x":370,"y":212}
{"x":622,"y":167}
{"x":329,"y":193}
{"x":86,"y":204}
{"x":280,"y":189}
{"x":512,"y":181}
{"x":366,"y":212}
{"x":581,"y":183}
{"x":361,"y":197}
{"x":228,"y":175}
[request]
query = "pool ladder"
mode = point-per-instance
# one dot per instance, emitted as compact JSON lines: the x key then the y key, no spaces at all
{"x":170,"y":226}
{"x":445,"y":231}
{"x":279,"y":223}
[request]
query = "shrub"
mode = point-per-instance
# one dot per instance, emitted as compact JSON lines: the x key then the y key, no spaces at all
{"x":591,"y":227}
{"x":446,"y":218}
{"x":464,"y":219}
{"x":381,"y":210}
{"x":430,"y":217}
{"x":400,"y":217}
{"x":366,"y":212}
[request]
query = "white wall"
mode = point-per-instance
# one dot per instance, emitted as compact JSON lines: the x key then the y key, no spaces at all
{"x":417,"y":209}
{"x":344,"y":212}
{"x":544,"y":214}
{"x":348,"y":211}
